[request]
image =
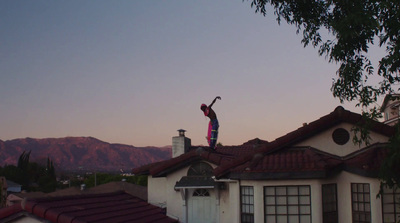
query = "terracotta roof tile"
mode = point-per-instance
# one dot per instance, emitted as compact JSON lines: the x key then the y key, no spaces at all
{"x":368,"y":162}
{"x":11,"y":210}
{"x":110,"y":207}
{"x":278,"y":156}
{"x":301,"y":159}
{"x":337,"y":116}
{"x":217,"y":157}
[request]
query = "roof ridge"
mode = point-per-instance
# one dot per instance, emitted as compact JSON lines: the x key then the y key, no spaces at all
{"x":306,"y":131}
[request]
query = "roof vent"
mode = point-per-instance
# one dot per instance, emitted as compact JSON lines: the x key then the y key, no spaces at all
{"x":340,"y":136}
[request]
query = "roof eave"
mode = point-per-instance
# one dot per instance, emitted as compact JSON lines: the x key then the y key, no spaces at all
{"x":318,"y":174}
{"x":339,"y":115}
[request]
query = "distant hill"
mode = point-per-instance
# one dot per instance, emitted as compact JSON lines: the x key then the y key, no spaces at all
{"x":82,"y":153}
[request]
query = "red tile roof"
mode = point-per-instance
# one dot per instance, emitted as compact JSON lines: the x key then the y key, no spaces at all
{"x":197,"y":153}
{"x":221,"y":155}
{"x":110,"y":207}
{"x":289,"y":164}
{"x":339,"y":115}
{"x":11,"y":210}
{"x":366,"y":162}
{"x":295,"y":159}
{"x":259,"y":159}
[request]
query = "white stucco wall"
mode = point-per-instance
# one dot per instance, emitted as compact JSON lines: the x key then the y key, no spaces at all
{"x":174,"y":199}
{"x":343,"y":181}
{"x":161,"y":193}
{"x":230,"y":203}
{"x":258,"y":186}
{"x":324,"y":141}
{"x":157,"y":194}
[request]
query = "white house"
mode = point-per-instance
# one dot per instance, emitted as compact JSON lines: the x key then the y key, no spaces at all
{"x":312,"y":174}
{"x":13,"y":187}
{"x":391,"y":109}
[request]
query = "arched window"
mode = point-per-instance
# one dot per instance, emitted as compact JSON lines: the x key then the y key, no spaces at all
{"x":200,"y":169}
{"x":201,"y":193}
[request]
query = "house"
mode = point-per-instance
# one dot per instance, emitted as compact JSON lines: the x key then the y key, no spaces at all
{"x":312,"y":174}
{"x":132,"y":189}
{"x":112,"y":202}
{"x":17,"y":198}
{"x":7,"y":188}
{"x":13,"y":187}
{"x":391,"y":109}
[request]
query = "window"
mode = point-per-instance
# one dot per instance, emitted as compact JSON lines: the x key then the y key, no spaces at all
{"x":284,"y":204}
{"x":361,"y":206}
{"x":247,"y":204}
{"x":329,"y":203}
{"x":201,"y":193}
{"x":391,"y":205}
{"x":200,"y":169}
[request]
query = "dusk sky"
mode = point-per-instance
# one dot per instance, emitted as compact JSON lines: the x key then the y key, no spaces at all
{"x":134,"y":72}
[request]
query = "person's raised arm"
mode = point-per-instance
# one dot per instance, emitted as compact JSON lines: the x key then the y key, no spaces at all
{"x":218,"y":97}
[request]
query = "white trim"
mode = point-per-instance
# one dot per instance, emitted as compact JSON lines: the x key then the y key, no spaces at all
{"x":194,"y":187}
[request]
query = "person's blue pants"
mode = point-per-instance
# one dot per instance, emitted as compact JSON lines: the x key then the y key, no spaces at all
{"x":214,"y":133}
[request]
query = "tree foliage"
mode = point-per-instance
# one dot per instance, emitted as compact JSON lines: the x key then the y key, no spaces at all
{"x":354,"y":26}
{"x":31,"y":175}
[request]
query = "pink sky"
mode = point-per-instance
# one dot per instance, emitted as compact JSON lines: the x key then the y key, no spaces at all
{"x":134,"y":72}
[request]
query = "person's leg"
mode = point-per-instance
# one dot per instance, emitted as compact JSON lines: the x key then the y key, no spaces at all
{"x":214,"y":133}
{"x":209,"y":133}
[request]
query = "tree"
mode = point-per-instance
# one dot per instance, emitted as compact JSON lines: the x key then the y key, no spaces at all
{"x":23,"y":165}
{"x":13,"y":173}
{"x":23,"y":161}
{"x":32,"y":176}
{"x":353,"y":27}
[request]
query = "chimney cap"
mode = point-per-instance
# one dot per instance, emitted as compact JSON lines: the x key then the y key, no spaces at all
{"x":181,"y":132}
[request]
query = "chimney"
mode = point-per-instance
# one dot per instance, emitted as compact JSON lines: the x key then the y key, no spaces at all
{"x":180,"y":144}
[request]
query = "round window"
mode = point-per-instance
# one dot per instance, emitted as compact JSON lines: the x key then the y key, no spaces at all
{"x":340,"y":136}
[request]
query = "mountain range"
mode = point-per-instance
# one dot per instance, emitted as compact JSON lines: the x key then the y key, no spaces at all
{"x":82,"y":153}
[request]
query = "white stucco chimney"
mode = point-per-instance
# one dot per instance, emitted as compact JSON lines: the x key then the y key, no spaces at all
{"x":180,"y":144}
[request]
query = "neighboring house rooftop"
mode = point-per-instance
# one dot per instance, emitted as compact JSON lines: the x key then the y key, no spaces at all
{"x":132,"y":189}
{"x":13,"y":187}
{"x":107,"y":207}
{"x":388,"y":98}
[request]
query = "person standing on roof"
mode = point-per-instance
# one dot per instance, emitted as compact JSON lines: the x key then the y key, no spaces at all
{"x":213,"y":124}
